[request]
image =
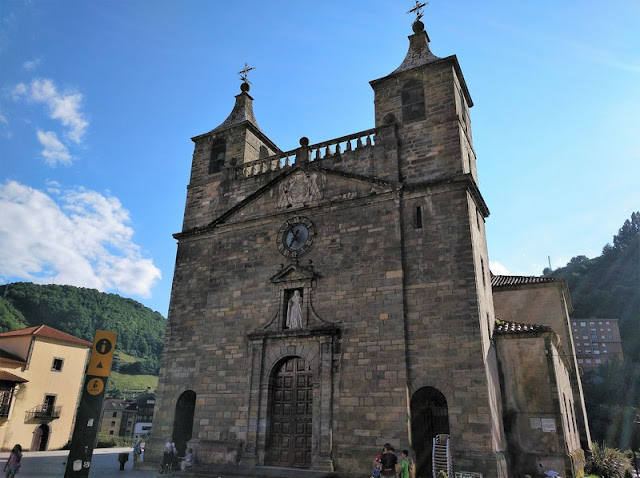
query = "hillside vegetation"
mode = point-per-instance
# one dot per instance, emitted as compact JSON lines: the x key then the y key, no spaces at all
{"x":80,"y":312}
{"x":608,"y":286}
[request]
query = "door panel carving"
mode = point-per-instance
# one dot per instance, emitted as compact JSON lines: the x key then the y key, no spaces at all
{"x":290,"y":434}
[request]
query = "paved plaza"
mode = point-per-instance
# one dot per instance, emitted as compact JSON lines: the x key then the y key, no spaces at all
{"x":43,"y":464}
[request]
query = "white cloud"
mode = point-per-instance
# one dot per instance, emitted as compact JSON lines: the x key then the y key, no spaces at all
{"x":54,"y":151}
{"x":62,"y":106}
{"x":498,"y":269}
{"x":19,"y":90}
{"x":3,"y":119}
{"x":31,"y":64}
{"x":65,"y":107}
{"x":70,"y":236}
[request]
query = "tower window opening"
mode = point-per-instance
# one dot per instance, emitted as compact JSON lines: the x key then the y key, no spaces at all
{"x":413,"y":101}
{"x":463,"y":108}
{"x":218,"y":154}
{"x":418,"y":217}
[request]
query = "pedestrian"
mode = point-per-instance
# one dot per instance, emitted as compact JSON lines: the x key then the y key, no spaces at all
{"x":187,"y":461}
{"x":377,"y":465}
{"x":13,"y":463}
{"x":123,"y":458}
{"x":389,"y":461}
{"x":404,"y":465}
{"x":137,"y":450}
{"x":169,"y":456}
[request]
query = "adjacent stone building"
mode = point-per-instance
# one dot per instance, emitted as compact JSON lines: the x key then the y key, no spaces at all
{"x":337,"y":296}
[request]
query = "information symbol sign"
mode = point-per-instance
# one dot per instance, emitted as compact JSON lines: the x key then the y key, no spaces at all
{"x":103,"y":346}
{"x":102,"y":353}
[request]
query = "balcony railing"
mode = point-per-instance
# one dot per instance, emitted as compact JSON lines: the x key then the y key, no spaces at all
{"x":314,"y":152}
{"x":43,"y":412}
{"x":4,"y":410}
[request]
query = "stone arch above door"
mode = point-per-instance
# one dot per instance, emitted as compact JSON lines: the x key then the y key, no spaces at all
{"x":269,"y":350}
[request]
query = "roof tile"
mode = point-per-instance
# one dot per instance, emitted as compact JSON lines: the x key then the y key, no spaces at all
{"x":46,"y":332}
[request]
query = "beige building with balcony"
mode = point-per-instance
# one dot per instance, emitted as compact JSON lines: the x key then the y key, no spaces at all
{"x":41,"y":375}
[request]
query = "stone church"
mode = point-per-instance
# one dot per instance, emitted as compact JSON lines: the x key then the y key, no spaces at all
{"x":337,"y":296}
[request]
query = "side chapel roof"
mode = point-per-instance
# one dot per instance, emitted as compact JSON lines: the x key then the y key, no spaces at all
{"x":508,"y":281}
{"x":504,"y":327}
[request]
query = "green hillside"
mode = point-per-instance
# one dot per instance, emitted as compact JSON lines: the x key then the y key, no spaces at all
{"x":608,"y":286}
{"x":80,"y":312}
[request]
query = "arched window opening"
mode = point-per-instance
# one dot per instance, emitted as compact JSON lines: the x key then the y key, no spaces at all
{"x":218,"y":154}
{"x":183,"y":422}
{"x":413,"y":101}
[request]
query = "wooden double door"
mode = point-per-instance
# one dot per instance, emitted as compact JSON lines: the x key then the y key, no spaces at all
{"x":290,"y":418}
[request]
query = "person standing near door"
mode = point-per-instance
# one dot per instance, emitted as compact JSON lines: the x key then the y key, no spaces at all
{"x":389,"y":461}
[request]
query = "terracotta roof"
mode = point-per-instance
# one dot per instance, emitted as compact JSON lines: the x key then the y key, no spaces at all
{"x":506,"y":281}
{"x":507,"y":328}
{"x":9,"y":377}
{"x":9,"y":358}
{"x":46,"y":332}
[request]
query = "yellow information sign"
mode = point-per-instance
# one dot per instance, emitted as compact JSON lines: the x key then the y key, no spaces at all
{"x":104,"y":344}
{"x":95,"y":386}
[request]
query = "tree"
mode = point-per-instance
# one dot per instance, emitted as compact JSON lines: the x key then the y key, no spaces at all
{"x":628,"y":232}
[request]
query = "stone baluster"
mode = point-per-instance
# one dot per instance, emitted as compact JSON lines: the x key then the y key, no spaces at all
{"x":302,"y":153}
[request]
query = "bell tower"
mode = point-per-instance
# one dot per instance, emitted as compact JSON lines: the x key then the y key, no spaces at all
{"x":428,"y":98}
{"x":449,"y":313}
{"x":237,"y":140}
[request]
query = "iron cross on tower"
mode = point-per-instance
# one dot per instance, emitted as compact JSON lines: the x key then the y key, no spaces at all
{"x":243,"y":73}
{"x":418,"y":9}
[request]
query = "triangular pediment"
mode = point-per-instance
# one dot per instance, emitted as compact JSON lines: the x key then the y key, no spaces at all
{"x":304,"y":186}
{"x":293,"y":273}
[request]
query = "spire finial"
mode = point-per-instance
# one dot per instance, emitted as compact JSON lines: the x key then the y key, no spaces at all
{"x":244,"y":72}
{"x":417,"y":9}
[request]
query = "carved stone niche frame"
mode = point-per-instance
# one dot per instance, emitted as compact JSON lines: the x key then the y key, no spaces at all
{"x":287,"y":280}
{"x":318,"y":343}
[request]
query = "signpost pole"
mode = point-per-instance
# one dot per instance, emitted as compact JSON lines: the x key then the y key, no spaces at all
{"x":85,"y":432}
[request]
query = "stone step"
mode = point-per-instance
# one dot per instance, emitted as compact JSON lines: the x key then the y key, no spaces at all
{"x":226,"y":470}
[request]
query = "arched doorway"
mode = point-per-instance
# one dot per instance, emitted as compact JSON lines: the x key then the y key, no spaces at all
{"x":40,"y":438}
{"x":429,"y":417}
{"x":290,"y":414}
{"x":183,"y":421}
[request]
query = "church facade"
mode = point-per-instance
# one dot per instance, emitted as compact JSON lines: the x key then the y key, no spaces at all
{"x":337,"y":296}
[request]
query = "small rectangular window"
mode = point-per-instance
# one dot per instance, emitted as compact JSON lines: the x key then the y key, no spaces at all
{"x":57,"y":364}
{"x":115,"y":414}
{"x":418,"y":217}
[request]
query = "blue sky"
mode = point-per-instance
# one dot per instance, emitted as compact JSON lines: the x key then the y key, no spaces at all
{"x":99,"y":100}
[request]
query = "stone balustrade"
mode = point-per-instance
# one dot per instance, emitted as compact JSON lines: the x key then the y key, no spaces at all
{"x":315,"y":152}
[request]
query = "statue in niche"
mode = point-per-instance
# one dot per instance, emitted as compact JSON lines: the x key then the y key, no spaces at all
{"x":294,"y":311}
